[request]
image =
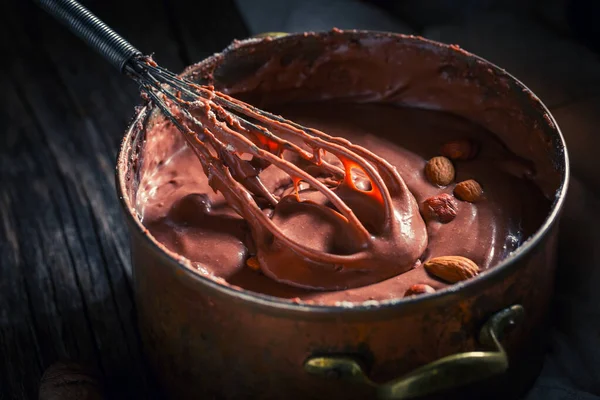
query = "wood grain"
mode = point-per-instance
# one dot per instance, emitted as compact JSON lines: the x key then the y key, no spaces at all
{"x":65,"y":287}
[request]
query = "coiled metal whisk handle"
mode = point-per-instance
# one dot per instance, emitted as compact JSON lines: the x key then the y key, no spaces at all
{"x":91,"y":30}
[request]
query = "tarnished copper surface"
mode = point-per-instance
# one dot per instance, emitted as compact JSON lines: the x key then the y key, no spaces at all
{"x":222,"y":345}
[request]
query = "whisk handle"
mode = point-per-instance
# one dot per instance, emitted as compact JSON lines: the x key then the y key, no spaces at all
{"x":91,"y":30}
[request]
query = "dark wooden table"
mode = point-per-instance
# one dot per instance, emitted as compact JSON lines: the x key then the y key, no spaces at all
{"x":65,"y":286}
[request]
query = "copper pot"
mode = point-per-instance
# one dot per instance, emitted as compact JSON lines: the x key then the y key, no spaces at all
{"x":208,"y":340}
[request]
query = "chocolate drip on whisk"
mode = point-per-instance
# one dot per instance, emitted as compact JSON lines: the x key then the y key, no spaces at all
{"x":221,"y":130}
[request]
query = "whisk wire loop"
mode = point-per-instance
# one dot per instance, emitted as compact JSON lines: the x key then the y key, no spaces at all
{"x":163,"y":86}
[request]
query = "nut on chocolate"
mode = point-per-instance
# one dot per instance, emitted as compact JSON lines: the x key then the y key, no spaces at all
{"x":440,"y":171}
{"x":452,"y":269}
{"x":469,"y":190}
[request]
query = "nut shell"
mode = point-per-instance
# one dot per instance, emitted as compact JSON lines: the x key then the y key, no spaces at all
{"x":442,"y":208}
{"x":253,"y":263}
{"x":463,"y":149}
{"x":440,"y":171}
{"x":451,"y":269}
{"x":469,"y":190}
{"x":419,"y":288}
{"x":70,"y":381}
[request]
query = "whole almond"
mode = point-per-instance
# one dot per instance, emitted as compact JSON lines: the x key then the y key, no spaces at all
{"x":442,"y":207}
{"x":463,"y":149}
{"x":252,"y":263}
{"x":439,"y":171}
{"x":469,"y":190}
{"x":419,"y":288}
{"x":451,"y":268}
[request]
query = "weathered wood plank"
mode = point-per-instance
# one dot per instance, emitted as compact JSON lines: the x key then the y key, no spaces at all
{"x":35,"y":208}
{"x":81,"y":224}
{"x":62,"y":218}
{"x":18,"y":343}
{"x":65,"y":288}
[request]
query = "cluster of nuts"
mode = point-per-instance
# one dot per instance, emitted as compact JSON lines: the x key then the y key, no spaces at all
{"x":440,"y":171}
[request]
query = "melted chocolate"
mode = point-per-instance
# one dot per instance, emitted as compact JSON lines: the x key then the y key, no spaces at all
{"x":182,"y":211}
{"x":355,"y":224}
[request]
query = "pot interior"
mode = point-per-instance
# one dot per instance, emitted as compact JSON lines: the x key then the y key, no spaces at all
{"x":369,"y":67}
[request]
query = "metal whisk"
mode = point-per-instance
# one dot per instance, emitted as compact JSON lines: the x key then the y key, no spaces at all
{"x":220,"y":129}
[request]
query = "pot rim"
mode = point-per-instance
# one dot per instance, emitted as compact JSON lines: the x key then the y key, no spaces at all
{"x":458,"y":290}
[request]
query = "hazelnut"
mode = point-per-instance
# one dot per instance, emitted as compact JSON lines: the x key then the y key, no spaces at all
{"x":439,"y":171}
{"x":469,"y":190}
{"x":463,"y":149}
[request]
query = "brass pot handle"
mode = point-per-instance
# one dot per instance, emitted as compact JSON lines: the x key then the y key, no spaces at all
{"x":269,"y":34}
{"x":273,"y":35}
{"x":446,"y":373}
